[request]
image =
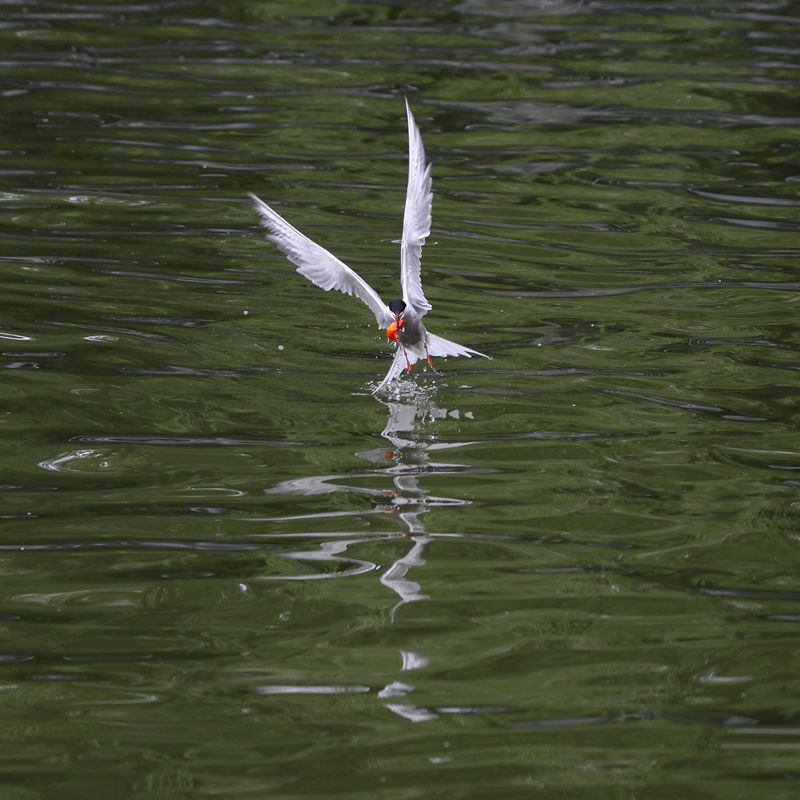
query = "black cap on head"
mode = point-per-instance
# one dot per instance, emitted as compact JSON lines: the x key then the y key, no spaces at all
{"x":397,"y":307}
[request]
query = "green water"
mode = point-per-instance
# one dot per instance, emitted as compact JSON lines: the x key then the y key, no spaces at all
{"x":229,"y":570}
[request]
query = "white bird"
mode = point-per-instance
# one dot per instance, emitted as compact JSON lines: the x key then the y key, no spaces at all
{"x":402,"y":318}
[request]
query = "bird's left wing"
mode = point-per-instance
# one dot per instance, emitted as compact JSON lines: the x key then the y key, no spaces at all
{"x":416,"y":219}
{"x":314,"y":262}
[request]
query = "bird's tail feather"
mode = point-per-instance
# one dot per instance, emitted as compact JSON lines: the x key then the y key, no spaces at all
{"x":397,"y":366}
{"x":441,"y":347}
{"x":438,"y":346}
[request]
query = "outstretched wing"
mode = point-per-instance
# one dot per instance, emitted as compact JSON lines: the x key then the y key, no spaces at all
{"x":314,"y":262}
{"x":416,"y":219}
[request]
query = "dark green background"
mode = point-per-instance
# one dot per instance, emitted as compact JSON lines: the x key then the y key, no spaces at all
{"x":229,"y":571}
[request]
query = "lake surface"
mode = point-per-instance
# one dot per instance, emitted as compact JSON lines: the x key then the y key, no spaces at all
{"x":230,"y":570}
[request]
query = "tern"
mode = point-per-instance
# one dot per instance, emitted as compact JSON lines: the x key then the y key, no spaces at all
{"x":402,"y":318}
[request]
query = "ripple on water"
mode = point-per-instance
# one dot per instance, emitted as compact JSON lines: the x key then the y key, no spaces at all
{"x":228,"y":569}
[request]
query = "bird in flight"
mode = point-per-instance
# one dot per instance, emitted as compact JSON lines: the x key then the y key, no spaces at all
{"x":402,"y":318}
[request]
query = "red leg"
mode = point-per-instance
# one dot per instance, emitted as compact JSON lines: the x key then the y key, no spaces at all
{"x":408,"y":363}
{"x":428,"y":356}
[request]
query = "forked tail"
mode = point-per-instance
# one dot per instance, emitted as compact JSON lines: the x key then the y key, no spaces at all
{"x":397,"y":366}
{"x":439,"y":346}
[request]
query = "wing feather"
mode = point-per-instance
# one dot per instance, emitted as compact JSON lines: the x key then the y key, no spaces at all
{"x":416,"y":219}
{"x":314,"y":262}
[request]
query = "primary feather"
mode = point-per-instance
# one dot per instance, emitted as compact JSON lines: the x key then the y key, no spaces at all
{"x":314,"y":262}
{"x":416,"y":219}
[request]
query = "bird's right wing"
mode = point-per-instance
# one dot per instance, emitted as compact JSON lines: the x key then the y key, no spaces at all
{"x":314,"y":262}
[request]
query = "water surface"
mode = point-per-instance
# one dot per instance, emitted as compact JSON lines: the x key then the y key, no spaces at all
{"x":230,"y":570}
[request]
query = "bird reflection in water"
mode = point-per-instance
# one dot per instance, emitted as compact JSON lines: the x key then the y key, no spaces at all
{"x":411,"y":411}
